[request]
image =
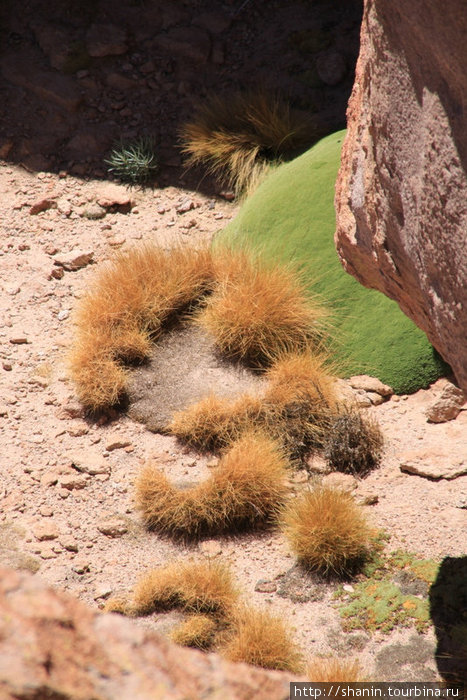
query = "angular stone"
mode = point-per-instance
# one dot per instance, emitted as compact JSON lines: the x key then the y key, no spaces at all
{"x":448,"y":406}
{"x":75,"y":260}
{"x":68,"y":543}
{"x":112,"y":527}
{"x":117,"y":81}
{"x":117,"y":445}
{"x":192,"y":43}
{"x":50,"y":477}
{"x":92,"y":211}
{"x":90,"y":463}
{"x":434,"y":464}
{"x":114,"y":196}
{"x":215,"y":21}
{"x":55,"y":41}
{"x":376,"y":399}
{"x":42,"y":205}
{"x":47,"y":85}
{"x":45,"y":531}
{"x":73,"y":482}
{"x":106,"y":40}
{"x":367,"y":383}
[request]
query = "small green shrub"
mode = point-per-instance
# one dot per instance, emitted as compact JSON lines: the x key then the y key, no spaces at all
{"x":134,"y":162}
{"x":354,"y":444}
{"x":380,"y":605}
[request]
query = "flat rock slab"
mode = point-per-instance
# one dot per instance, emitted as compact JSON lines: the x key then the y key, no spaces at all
{"x":435,"y":465}
{"x":184,"y":368}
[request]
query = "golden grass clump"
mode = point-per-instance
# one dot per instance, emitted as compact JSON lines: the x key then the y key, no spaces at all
{"x":118,"y":605}
{"x":196,"y":631}
{"x":260,"y":638}
{"x":130,"y":300}
{"x":259,"y":311}
{"x":334,"y":670}
{"x":194,"y":587}
{"x":214,"y":423}
{"x":296,"y":409}
{"x":247,"y":488}
{"x":234,"y":135}
{"x":327,"y":530}
{"x":300,"y":401}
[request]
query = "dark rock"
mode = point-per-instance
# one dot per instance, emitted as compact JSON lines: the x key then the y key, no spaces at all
{"x":331,"y":67}
{"x":191,"y":43}
{"x":106,"y":40}
{"x":47,"y":85}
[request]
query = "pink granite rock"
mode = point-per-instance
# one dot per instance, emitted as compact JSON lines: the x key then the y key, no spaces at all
{"x":401,"y":194}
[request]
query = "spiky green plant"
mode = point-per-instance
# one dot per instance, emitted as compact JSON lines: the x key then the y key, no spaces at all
{"x":134,"y":162}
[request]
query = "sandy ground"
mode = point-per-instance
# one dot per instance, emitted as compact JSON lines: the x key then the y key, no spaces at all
{"x":50,"y":512}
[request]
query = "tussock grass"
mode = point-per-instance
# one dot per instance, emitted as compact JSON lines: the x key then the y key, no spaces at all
{"x":300,"y":401}
{"x":259,"y":311}
{"x":233,"y":135}
{"x":196,"y":631}
{"x":246,"y":489}
{"x":334,"y":670}
{"x":327,"y":530}
{"x":214,"y":423}
{"x":354,"y":443}
{"x":296,"y":409}
{"x":260,"y":638}
{"x":128,"y":303}
{"x":119,"y":605}
{"x":194,"y":587}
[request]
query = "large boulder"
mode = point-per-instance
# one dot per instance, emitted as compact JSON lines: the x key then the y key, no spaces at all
{"x":53,"y":646}
{"x":401,"y":194}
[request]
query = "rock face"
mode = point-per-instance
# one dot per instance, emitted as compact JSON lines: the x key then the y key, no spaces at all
{"x":52,"y":646}
{"x":401,"y":195}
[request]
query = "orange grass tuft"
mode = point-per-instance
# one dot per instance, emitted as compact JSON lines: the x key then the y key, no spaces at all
{"x":259,"y":311}
{"x":233,"y":135}
{"x":214,"y":423}
{"x":300,"y":401}
{"x":327,"y":530}
{"x":333,"y":670}
{"x":259,"y":638}
{"x":130,"y":300}
{"x":297,"y":408}
{"x":196,"y":631}
{"x":194,"y":587}
{"x":247,"y":488}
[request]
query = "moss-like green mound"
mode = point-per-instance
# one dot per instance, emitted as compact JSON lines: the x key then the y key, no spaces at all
{"x":291,"y":217}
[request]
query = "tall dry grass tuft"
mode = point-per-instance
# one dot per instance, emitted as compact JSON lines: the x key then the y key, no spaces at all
{"x":258,"y":311}
{"x":300,"y":401}
{"x":297,"y":408}
{"x":194,"y":587}
{"x":334,"y":670}
{"x":214,"y":423}
{"x":127,"y":305}
{"x":259,"y":638}
{"x":327,"y":530}
{"x":196,"y":631}
{"x":233,"y":135}
{"x":246,"y":489}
